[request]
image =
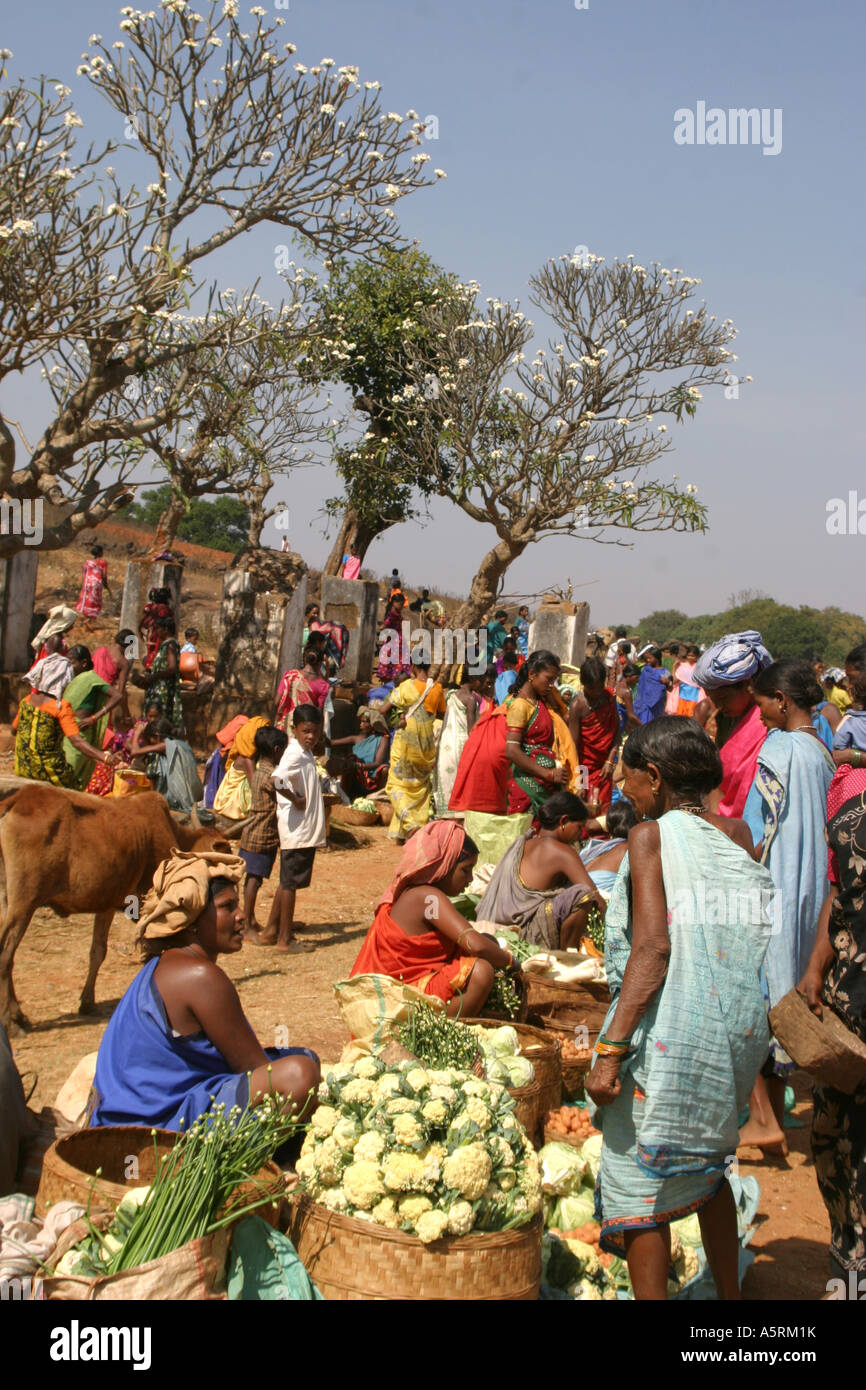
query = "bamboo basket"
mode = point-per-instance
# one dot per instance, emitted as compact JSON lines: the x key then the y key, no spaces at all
{"x":527,"y":1107}
{"x":70,"y":1164}
{"x":544,"y":1050}
{"x":358,"y":1260}
{"x":824,"y":1047}
{"x":591,"y":998}
{"x":573,"y":1140}
{"x":386,"y":813}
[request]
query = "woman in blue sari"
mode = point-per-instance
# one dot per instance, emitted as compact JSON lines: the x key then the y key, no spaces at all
{"x":652,"y":688}
{"x":179,"y":1042}
{"x":686,"y":1032}
{"x":786,"y":815}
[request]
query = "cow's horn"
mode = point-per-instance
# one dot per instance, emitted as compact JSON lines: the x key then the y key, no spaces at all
{"x":194,"y":820}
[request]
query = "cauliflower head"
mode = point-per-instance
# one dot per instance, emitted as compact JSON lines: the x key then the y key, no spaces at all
{"x":431,"y":1225}
{"x":436,"y":1112}
{"x":346,"y":1133}
{"x":324,"y":1119}
{"x":461,"y":1219}
{"x":388,"y":1085}
{"x":386,"y":1214}
{"x":370,"y":1146}
{"x":468,"y":1170}
{"x":411,"y":1208}
{"x":329,"y":1160}
{"x":362,"y":1184}
{"x":418,"y":1079}
{"x":407,"y":1172}
{"x":407,"y":1131}
{"x":367,"y":1068}
{"x":335,"y":1199}
{"x":358,"y":1091}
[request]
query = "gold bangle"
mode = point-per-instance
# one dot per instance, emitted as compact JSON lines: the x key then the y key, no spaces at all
{"x":464,"y":932}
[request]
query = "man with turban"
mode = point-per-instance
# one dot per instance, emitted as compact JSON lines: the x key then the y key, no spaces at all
{"x":179,"y":1041}
{"x":724,"y":671}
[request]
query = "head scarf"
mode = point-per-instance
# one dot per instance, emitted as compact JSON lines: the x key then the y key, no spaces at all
{"x":180,"y":891}
{"x":835,"y":674}
{"x":429,"y":856}
{"x":376,"y":718}
{"x":734,"y":658}
{"x":51,"y":675}
{"x":60,"y":619}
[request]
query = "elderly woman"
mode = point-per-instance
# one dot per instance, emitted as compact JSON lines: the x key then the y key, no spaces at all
{"x":418,"y":936}
{"x":835,"y":979}
{"x":366,"y":767}
{"x":179,"y":1042}
{"x":686,"y":1033}
{"x":540,"y":885}
{"x":45,"y":726}
{"x":724,"y":672}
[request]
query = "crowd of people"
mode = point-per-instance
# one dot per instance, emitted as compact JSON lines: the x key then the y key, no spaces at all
{"x":642,"y":787}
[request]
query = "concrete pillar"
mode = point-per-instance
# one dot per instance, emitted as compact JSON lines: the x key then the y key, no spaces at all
{"x":17,"y":599}
{"x":561,"y":628}
{"x":263,"y":595}
{"x":141,"y":577}
{"x":355,"y":604}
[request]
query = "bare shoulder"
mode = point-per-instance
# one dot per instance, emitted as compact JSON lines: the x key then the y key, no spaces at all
{"x":192,"y":975}
{"x":736,"y":830}
{"x":644,"y":839}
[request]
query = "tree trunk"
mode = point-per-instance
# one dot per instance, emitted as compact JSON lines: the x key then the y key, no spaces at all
{"x":485,"y":585}
{"x":353,"y":531}
{"x":169,"y":522}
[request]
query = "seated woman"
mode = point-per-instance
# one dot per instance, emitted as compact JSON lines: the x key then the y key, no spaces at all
{"x":45,"y":722}
{"x":540,"y":886}
{"x":169,"y":762}
{"x":179,"y":1042}
{"x":366,"y":767}
{"x":602,"y":858}
{"x":418,"y":937}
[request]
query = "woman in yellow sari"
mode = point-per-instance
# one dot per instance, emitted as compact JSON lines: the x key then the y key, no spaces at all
{"x":234,"y":798}
{"x":419,"y":702}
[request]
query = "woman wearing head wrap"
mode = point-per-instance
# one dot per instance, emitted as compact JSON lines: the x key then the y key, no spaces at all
{"x":724,"y":671}
{"x":417,"y":935}
{"x":179,"y":1041}
{"x":45,"y":725}
{"x":366,"y":767}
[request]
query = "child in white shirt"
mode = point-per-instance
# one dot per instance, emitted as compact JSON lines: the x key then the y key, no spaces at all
{"x":300,"y":819}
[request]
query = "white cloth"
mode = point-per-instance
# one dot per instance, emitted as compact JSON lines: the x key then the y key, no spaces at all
{"x":299,"y":829}
{"x":60,"y":619}
{"x":51,"y":675}
{"x":613,"y":651}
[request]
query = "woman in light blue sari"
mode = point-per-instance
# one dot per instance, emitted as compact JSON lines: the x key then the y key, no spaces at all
{"x":686,"y":1033}
{"x":786,"y":812}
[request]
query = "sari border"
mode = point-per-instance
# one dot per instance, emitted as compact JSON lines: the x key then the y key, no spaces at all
{"x":613,"y":1229}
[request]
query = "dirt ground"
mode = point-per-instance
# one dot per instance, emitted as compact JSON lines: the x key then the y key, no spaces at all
{"x":295,"y":993}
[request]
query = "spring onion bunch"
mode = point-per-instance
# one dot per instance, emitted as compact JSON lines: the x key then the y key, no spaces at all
{"x":438,"y":1040}
{"x":190,"y":1195}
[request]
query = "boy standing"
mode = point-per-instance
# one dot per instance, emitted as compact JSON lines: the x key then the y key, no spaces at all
{"x":300,"y":819}
{"x":261,"y":837}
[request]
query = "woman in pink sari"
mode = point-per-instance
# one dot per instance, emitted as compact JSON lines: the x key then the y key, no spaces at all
{"x":305,"y":687}
{"x":95,"y":579}
{"x":724,"y":672}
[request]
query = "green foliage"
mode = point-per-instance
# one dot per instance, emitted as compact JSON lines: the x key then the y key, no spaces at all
{"x":369,"y":331}
{"x":828,"y":633}
{"x":222,"y":524}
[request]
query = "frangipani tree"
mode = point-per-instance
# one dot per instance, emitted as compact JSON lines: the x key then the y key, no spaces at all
{"x":560,"y":440}
{"x":231,"y":133}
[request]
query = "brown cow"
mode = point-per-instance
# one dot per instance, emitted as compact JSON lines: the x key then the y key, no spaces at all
{"x":78,"y":853}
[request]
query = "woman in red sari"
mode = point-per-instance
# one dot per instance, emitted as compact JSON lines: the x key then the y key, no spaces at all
{"x":724,"y":672}
{"x":156,"y":610}
{"x":94,"y":580}
{"x":594,"y":724}
{"x":305,"y":687}
{"x":418,"y":937}
{"x":520,"y":752}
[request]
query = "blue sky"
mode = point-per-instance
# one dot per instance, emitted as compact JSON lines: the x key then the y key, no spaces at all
{"x":555,"y":127}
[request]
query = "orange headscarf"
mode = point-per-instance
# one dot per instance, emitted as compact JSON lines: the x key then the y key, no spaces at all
{"x":431,"y":854}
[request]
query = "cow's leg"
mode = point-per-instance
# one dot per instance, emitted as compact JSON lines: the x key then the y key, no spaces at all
{"x":14,"y":928}
{"x":98,"y":947}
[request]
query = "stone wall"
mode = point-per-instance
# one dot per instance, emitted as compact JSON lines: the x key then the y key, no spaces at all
{"x":261,"y":623}
{"x":355,"y":603}
{"x":561,"y":628}
{"x":17,"y":599}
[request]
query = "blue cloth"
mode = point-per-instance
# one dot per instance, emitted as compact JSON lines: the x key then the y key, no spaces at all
{"x":651,"y":694}
{"x":264,"y":1266}
{"x":697,"y":1050}
{"x":786,"y":812}
{"x":214,"y":772}
{"x":851,"y":732}
{"x":366,"y":750}
{"x":822,"y":726}
{"x":734,"y":658}
{"x":522,"y":626}
{"x":503,"y":684}
{"x":146,"y":1076}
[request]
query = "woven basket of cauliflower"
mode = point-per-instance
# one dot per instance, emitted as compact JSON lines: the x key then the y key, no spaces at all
{"x":431,"y":1155}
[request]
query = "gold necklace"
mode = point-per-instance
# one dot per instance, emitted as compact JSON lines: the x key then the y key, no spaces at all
{"x":696,"y":810}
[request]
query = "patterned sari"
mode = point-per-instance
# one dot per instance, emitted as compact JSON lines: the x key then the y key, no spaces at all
{"x":534,"y":722}
{"x":87,"y":693}
{"x":839,"y":1121}
{"x":39,"y":742}
{"x":165,"y":688}
{"x":296,"y":688}
{"x":413,"y":755}
{"x":90,"y":599}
